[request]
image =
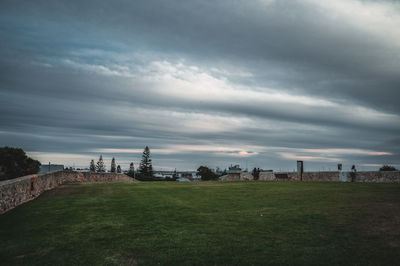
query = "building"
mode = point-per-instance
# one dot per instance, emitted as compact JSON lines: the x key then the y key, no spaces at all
{"x":234,"y":172}
{"x":45,"y":168}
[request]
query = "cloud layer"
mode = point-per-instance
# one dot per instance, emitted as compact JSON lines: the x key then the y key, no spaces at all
{"x":259,"y":83}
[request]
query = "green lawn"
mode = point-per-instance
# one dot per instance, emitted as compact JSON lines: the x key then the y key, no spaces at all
{"x":206,"y":223}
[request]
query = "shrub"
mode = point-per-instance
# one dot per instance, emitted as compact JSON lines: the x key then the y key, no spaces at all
{"x":387,"y":168}
{"x":206,"y":173}
{"x":15,"y":163}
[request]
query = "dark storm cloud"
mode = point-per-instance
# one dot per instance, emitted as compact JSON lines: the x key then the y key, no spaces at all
{"x":326,"y":54}
{"x":283,"y":74}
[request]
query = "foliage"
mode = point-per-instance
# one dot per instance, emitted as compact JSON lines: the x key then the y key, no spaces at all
{"x":146,"y":167}
{"x":92,"y":167}
{"x":113,"y":168}
{"x":142,"y":177}
{"x":256,"y":173}
{"x":387,"y":168}
{"x":119,"y":169}
{"x":15,"y":163}
{"x":205,"y":223}
{"x":206,"y":173}
{"x":353,"y":173}
{"x":100,"y":167}
{"x":131,"y":172}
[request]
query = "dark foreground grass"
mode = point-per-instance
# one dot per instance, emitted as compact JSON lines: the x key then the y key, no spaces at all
{"x":205,"y":224}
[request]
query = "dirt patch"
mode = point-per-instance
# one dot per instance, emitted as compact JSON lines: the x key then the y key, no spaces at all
{"x":60,"y":190}
{"x":384,"y":222}
{"x":44,"y":251}
{"x":132,"y":261}
{"x":41,"y":252}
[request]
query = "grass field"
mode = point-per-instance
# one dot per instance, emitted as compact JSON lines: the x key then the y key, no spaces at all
{"x":205,"y":224}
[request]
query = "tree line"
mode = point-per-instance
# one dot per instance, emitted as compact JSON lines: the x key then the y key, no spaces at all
{"x":145,"y":171}
{"x":15,"y":163}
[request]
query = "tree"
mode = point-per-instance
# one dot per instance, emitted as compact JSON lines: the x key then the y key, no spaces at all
{"x":256,"y":173}
{"x":146,"y":168}
{"x":113,"y":168}
{"x":353,"y":173}
{"x":15,"y":163}
{"x":118,"y":169}
{"x":131,"y":172}
{"x":100,"y":168}
{"x":387,"y":168}
{"x":92,"y":166}
{"x":206,"y":173}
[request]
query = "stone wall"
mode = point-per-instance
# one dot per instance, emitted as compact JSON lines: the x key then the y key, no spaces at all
{"x":381,"y":177}
{"x":236,"y":176}
{"x":317,"y":176}
{"x":246,"y":176}
{"x":266,"y":176}
{"x":230,"y":177}
{"x":16,"y":191}
{"x":376,"y":177}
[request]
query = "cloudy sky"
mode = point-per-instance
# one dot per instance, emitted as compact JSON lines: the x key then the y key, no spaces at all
{"x":259,"y":83}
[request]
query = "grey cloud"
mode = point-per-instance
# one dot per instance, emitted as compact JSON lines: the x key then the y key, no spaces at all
{"x":81,"y":87}
{"x":330,"y":57}
{"x":291,"y":46}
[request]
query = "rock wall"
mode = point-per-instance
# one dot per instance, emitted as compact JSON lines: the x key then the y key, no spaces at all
{"x":376,"y":177}
{"x":237,"y":176}
{"x":16,"y":191}
{"x":246,"y":176}
{"x":379,"y":177}
{"x":266,"y":176}
{"x":317,"y":176}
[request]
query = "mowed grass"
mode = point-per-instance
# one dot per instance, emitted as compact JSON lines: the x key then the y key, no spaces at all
{"x":208,"y":223}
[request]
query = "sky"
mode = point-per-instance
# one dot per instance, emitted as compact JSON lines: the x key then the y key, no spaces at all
{"x":260,"y":83}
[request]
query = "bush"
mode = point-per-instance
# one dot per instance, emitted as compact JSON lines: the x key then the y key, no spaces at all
{"x":206,"y":173}
{"x":14,"y":163}
{"x":387,"y":168}
{"x":143,"y":177}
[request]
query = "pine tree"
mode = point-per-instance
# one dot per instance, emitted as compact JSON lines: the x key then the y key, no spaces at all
{"x":146,"y":168}
{"x":131,"y":172}
{"x":113,"y":165}
{"x":100,"y":168}
{"x":92,"y":166}
{"x":118,"y":169}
